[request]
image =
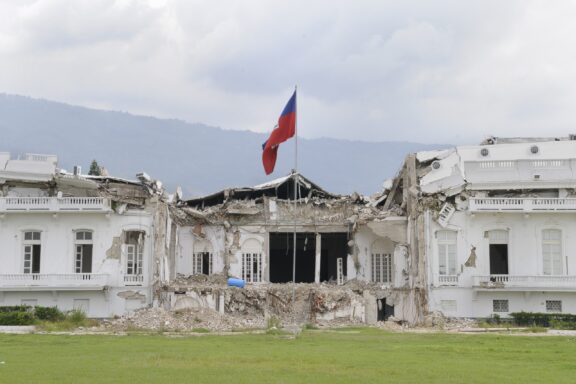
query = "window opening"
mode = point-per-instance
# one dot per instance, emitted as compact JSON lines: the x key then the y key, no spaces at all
{"x":83,"y":252}
{"x":498,"y":249}
{"x":447,"y":252}
{"x":552,"y":252}
{"x":134,"y":252}
{"x":282,"y":254}
{"x":553,"y":306}
{"x":381,"y":267}
{"x":202,"y":263}
{"x":384,"y":310}
{"x":32,"y":249}
{"x":500,"y":306}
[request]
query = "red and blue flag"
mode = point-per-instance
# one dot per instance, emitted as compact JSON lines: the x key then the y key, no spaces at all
{"x":285,"y":129}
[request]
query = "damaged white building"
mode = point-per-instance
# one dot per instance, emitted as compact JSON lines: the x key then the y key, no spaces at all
{"x":345,"y":243}
{"x":110,"y":246}
{"x":497,"y":224}
{"x":471,"y":231}
{"x":77,"y":241}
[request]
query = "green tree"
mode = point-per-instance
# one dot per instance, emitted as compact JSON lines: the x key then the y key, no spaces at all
{"x":94,"y":169}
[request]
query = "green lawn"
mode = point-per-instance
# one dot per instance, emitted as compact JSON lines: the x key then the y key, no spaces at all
{"x":348,"y":356}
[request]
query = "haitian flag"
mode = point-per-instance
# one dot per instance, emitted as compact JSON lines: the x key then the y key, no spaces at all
{"x":285,"y":129}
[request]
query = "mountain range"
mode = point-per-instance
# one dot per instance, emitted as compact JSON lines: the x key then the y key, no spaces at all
{"x":199,"y":158}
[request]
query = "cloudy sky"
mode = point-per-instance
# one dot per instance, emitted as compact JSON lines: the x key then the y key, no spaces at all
{"x":427,"y":71}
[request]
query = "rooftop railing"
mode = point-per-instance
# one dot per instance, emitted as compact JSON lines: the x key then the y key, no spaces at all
{"x":528,"y":204}
{"x":53,"y":204}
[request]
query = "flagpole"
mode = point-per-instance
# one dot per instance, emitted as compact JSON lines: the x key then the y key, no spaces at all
{"x":295,"y":196}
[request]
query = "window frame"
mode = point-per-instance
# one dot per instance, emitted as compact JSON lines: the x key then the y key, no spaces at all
{"x":198,"y":262}
{"x":28,"y":250}
{"x":252,"y":255}
{"x":552,"y":303}
{"x":79,"y":244}
{"x":253,"y":274}
{"x":381,"y":264}
{"x":497,"y":303}
{"x":548,"y":268}
{"x":443,"y":250}
{"x":134,"y":253}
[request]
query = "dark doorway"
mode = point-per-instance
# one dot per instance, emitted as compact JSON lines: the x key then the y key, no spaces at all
{"x":334,"y":246}
{"x":206,"y":267}
{"x":384,"y":310}
{"x":498,"y":259}
{"x":281,"y":256}
{"x":36,"y":258}
{"x":83,"y":258}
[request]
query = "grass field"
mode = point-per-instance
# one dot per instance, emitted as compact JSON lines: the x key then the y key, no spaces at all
{"x":344,"y":356}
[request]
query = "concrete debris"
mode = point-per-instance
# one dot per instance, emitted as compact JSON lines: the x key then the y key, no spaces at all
{"x":250,"y":308}
{"x":427,"y":156}
{"x":321,"y":304}
{"x":314,"y":209}
{"x":445,"y":214}
{"x":159,"y":319}
{"x":214,"y":280}
{"x":435,"y":319}
{"x":445,"y":176}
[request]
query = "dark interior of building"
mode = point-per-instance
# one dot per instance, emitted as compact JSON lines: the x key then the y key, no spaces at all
{"x":384,"y":310}
{"x":334,"y":246}
{"x":281,"y":256}
{"x":498,"y":259}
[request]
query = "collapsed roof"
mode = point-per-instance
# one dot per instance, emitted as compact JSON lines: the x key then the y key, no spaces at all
{"x":281,"y":188}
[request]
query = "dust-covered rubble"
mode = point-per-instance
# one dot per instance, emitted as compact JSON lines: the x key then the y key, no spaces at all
{"x":188,"y":320}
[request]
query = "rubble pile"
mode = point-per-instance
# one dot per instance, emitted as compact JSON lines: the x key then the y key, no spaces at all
{"x":189,"y":320}
{"x":213,"y":280}
{"x":312,"y":302}
{"x":248,"y":308}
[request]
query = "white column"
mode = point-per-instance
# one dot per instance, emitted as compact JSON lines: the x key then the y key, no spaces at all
{"x":318,"y":258}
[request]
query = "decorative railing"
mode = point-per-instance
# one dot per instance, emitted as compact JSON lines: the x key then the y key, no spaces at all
{"x":525,"y":281}
{"x":133,"y":279}
{"x":53,"y":280}
{"x":520,"y":173}
{"x":447,"y":279}
{"x":53,"y":204}
{"x":528,"y":204}
{"x":39,"y":157}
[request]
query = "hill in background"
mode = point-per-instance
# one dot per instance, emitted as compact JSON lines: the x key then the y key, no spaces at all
{"x":199,"y":158}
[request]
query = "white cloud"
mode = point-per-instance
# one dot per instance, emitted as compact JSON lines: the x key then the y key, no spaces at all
{"x":441,"y":71}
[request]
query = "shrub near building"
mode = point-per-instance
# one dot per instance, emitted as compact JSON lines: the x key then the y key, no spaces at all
{"x":50,"y":318}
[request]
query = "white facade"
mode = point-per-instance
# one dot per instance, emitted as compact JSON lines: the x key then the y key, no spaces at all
{"x":505,"y":239}
{"x":74,"y":251}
